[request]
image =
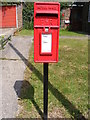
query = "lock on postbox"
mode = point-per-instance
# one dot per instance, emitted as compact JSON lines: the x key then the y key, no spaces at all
{"x":46,"y":31}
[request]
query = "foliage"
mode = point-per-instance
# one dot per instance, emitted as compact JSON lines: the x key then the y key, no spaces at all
{"x":28,"y":15}
{"x":25,"y":32}
{"x":9,"y":3}
{"x":4,"y":41}
{"x":1,"y":42}
{"x":63,"y":32}
{"x":64,"y":5}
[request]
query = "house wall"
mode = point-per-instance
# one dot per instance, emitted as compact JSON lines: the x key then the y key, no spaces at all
{"x":66,"y":16}
{"x":19,"y":15}
{"x":78,"y":16}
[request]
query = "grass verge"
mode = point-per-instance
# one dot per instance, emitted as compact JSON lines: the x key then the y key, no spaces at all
{"x":62,"y":33}
{"x":68,"y":83}
{"x":25,"y":32}
{"x":70,"y":33}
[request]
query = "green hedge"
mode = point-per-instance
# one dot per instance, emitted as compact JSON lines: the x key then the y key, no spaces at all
{"x":28,"y":15}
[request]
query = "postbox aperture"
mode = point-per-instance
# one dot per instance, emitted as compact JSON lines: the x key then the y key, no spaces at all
{"x":46,"y":31}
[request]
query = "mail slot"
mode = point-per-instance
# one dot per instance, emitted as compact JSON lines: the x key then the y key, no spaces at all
{"x":46,"y":31}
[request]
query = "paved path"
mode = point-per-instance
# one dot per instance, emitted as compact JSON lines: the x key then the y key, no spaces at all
{"x":7,"y":31}
{"x":12,"y":70}
{"x":75,"y":37}
{"x":88,"y":37}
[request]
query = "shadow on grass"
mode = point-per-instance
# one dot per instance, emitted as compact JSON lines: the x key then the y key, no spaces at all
{"x":27,"y":92}
{"x":59,"y":96}
{"x":79,"y":32}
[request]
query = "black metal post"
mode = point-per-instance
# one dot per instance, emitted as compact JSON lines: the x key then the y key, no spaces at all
{"x":45,"y":72}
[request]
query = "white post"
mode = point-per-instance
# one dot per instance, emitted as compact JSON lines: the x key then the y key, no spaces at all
{"x":16,"y":17}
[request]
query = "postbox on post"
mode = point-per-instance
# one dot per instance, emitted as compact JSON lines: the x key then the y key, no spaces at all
{"x":46,"y":39}
{"x":46,"y":31}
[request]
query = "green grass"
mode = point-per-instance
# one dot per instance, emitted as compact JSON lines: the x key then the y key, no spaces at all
{"x":68,"y":83}
{"x":62,"y":33}
{"x":70,"y":33}
{"x":25,"y":32}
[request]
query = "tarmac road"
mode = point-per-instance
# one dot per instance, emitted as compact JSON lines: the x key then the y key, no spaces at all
{"x":12,"y":74}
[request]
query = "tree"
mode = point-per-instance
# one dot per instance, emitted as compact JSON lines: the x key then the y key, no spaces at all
{"x":64,"y":4}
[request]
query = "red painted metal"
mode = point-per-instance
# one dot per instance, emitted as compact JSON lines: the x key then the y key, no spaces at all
{"x":8,"y":16}
{"x":62,"y":14}
{"x":46,"y":15}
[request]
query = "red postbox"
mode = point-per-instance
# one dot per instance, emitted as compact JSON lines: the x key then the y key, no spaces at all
{"x":46,"y":31}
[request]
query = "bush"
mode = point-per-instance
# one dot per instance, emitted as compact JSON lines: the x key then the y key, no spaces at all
{"x":28,"y":15}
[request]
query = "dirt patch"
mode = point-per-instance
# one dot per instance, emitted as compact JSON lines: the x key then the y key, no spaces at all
{"x":56,"y":113}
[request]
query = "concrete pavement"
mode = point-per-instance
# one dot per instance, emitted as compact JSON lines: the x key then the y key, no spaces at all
{"x":75,"y":37}
{"x":89,"y":37}
{"x":7,"y":31}
{"x":0,"y":89}
{"x":12,"y":70}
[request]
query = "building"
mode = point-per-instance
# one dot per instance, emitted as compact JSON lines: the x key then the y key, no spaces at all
{"x":11,"y":16}
{"x":80,"y":17}
{"x":77,"y":17}
{"x":65,"y":18}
